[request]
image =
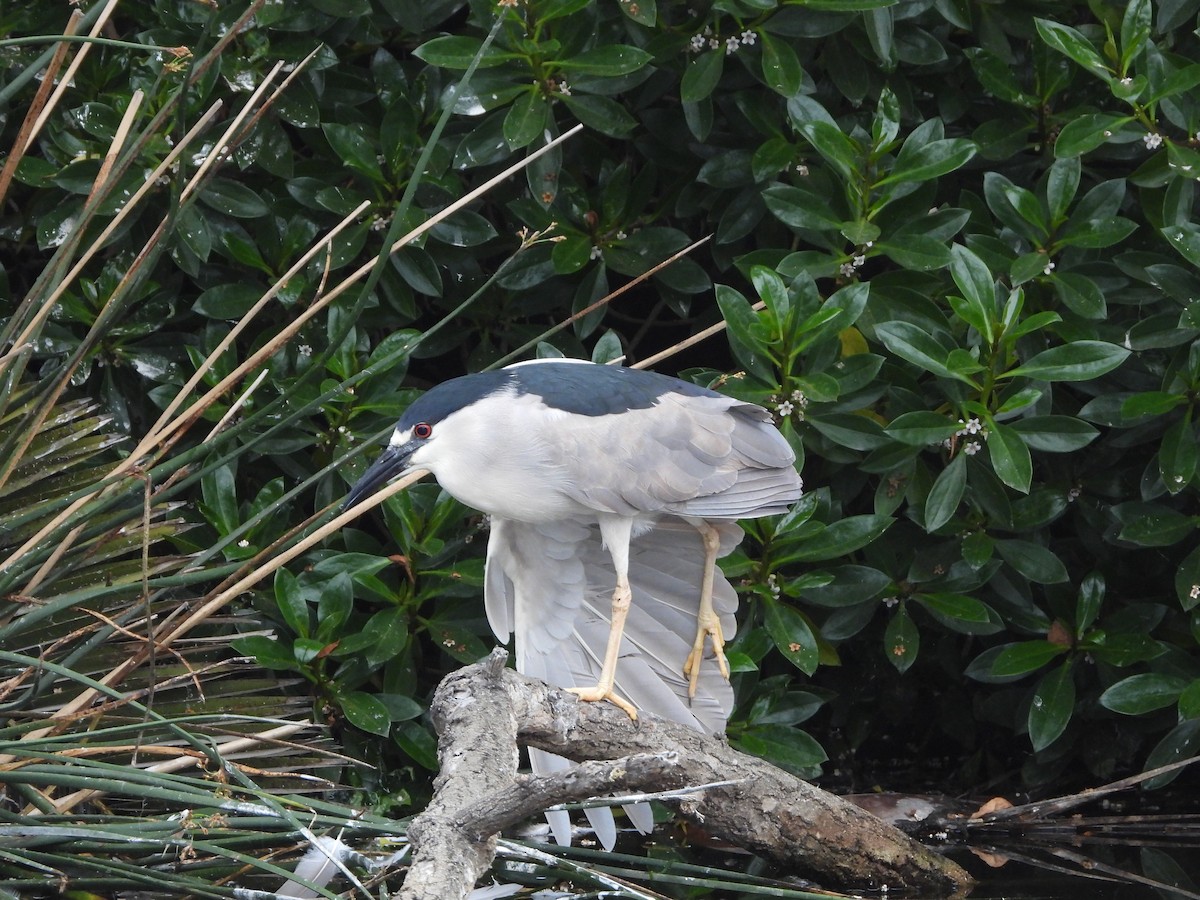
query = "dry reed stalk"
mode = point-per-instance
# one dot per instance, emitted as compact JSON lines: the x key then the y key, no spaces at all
{"x":603,"y":301}
{"x":27,"y":131}
{"x":35,"y":324}
{"x":688,"y":342}
{"x":69,"y":75}
{"x":182,"y":759}
{"x":132,"y":460}
{"x":272,"y":347}
{"x":221,"y":599}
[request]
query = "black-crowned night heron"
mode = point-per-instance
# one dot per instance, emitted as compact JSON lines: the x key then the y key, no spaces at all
{"x":590,"y":472}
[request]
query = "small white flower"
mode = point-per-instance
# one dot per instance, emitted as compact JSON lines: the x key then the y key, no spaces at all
{"x":304,"y":350}
{"x":1194,"y":593}
{"x":969,"y":427}
{"x":697,"y":43}
{"x":859,"y":261}
{"x":564,"y":89}
{"x":773,"y":585}
{"x":802,"y":170}
{"x":379,"y":223}
{"x":621,"y":235}
{"x":1152,"y":140}
{"x":1126,"y":81}
{"x":1107,"y":133}
{"x":596,"y":253}
{"x":713,"y":43}
{"x":889,"y":602}
{"x":799,"y":399}
{"x":785,"y":408}
{"x":1048,"y":268}
{"x":748,"y":38}
{"x":731,"y":45}
{"x":1073,"y":494}
{"x":972,"y":448}
{"x":847,"y":270}
{"x":243,"y":543}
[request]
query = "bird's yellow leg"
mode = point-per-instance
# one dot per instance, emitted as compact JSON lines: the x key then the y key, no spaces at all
{"x":616,"y":532}
{"x":708,"y":624}
{"x":603,"y":690}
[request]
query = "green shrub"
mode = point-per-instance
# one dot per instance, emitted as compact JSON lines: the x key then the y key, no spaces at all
{"x":973,"y":232}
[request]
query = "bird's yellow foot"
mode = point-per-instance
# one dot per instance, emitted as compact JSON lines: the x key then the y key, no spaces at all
{"x":706,"y":627}
{"x":600,"y":692}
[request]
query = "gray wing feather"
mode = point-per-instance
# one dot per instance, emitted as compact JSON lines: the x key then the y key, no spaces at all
{"x":664,"y":457}
{"x":552,"y":583}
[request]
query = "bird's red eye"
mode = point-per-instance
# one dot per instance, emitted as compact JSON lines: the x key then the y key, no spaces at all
{"x":422,"y":430}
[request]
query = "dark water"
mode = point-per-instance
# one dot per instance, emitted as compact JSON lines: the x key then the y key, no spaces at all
{"x":1085,"y":869}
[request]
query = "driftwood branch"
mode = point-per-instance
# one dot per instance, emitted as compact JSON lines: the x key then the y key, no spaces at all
{"x":483,"y":711}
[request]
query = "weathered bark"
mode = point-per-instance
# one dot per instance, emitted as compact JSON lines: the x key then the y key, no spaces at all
{"x":482,"y":711}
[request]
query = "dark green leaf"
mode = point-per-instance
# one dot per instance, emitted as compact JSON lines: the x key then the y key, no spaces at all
{"x":366,"y":712}
{"x":1180,"y":743}
{"x":916,"y":345}
{"x":605,"y":115}
{"x":292,"y":603}
{"x":840,"y":538}
{"x":457,"y":52}
{"x":849,"y":586}
{"x":790,"y":748}
{"x":1140,"y":694}
{"x":1033,"y":561}
{"x":849,"y":430}
{"x":1187,"y":580}
{"x":1135,"y":31}
{"x":701,"y":75}
{"x":840,"y":151}
{"x":742,"y":329}
{"x":1080,"y":294}
{"x":922,"y":428}
{"x":1185,"y":238}
{"x":233,"y":199}
{"x":955,"y":606}
{"x":793,"y":636}
{"x":1024,"y":657}
{"x":1062,"y":181}
{"x":1068,"y":41}
{"x":901,"y":640}
{"x":227,"y":301}
{"x":799,"y":208}
{"x":978,"y":290}
{"x":525,"y":119}
{"x":781,"y":67}
{"x":644,"y":12}
{"x":1157,"y":526}
{"x":1052,"y":706}
{"x":929,"y":161}
{"x":1010,"y":457}
{"x":609,"y":60}
{"x":918,"y":252}
{"x":1055,"y":434}
{"x":1077,"y":361}
{"x":354,"y":148}
{"x":946,"y":494}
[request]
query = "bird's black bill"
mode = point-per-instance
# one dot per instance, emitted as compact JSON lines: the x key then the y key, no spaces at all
{"x":390,"y":463}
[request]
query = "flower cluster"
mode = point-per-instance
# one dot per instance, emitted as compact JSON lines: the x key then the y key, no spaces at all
{"x":968,"y":428}
{"x":797,"y":404}
{"x":707,"y":39}
{"x":850,"y":269}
